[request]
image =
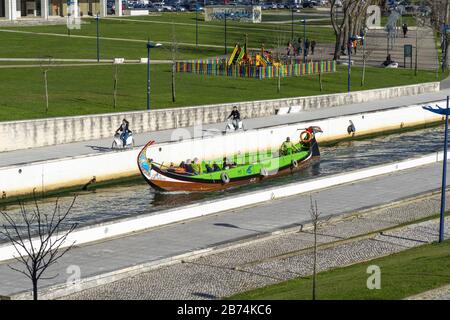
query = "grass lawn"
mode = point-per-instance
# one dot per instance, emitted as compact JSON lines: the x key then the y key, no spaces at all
{"x":89,"y":89}
{"x":131,"y":33}
{"x":402,"y":274}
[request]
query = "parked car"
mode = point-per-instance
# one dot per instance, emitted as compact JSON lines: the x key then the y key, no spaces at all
{"x":180,"y":8}
{"x":168,"y":8}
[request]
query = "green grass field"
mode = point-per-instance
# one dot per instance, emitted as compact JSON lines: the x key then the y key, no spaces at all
{"x":131,"y":33}
{"x":403,"y":274}
{"x":89,"y":89}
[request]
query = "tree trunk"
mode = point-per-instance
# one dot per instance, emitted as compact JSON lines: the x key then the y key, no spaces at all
{"x":314,"y":262}
{"x":173,"y":82}
{"x":35,"y":287}
{"x":46,"y":90}
{"x":115,"y":85}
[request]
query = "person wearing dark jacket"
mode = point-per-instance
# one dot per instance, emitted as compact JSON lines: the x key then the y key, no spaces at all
{"x":235,"y":116}
{"x":124,"y":128}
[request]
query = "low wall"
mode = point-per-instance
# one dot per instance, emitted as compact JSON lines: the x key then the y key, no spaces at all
{"x":69,"y":172}
{"x":113,"y":229}
{"x":52,"y":131}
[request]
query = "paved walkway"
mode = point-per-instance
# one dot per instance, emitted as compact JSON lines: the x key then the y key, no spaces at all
{"x":283,"y":257}
{"x":104,"y":145}
{"x":376,"y":50}
{"x":209,"y":231}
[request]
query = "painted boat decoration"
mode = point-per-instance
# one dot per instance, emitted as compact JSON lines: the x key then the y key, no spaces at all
{"x":240,"y":169}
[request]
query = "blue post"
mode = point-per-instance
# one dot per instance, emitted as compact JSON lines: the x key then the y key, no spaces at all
{"x":98,"y":43}
{"x":148,"y":75}
{"x":444,"y":178}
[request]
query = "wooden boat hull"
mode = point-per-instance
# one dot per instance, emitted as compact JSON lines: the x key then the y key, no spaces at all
{"x":165,"y":181}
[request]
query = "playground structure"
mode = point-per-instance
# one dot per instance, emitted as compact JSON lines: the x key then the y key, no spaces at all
{"x":261,"y":65}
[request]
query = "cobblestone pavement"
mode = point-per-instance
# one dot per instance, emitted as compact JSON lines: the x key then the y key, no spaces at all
{"x":281,"y":257}
{"x":442,"y":293}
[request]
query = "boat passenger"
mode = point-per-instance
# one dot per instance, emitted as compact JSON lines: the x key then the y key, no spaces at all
{"x":197,"y":167}
{"x":208,"y":168}
{"x":227,"y":164}
{"x":288,"y":147}
{"x":216,"y":167}
{"x":189,"y":168}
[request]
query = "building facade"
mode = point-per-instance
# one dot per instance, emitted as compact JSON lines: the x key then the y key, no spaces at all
{"x":17,"y":9}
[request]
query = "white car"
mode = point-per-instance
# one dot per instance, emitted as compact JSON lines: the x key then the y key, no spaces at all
{"x":168,"y":8}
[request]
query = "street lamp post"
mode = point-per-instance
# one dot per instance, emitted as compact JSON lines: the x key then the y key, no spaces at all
{"x":196,"y":25}
{"x":304,"y":40}
{"x":349,"y":78}
{"x":445,"y":112}
{"x":98,"y":34}
{"x":225,"y":36}
{"x":292,"y":21}
{"x":149,"y":46}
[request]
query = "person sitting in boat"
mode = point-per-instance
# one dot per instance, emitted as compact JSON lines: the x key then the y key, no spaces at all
{"x":208,"y":168}
{"x":216,"y":167}
{"x":188,"y":167}
{"x":124,"y":128}
{"x":288,"y":147}
{"x":197,"y":167}
{"x":227,"y":164}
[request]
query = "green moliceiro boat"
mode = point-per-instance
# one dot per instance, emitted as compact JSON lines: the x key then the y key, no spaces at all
{"x":249,"y":168}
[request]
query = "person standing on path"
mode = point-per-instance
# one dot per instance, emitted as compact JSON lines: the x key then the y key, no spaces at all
{"x":307,"y":45}
{"x":405,"y":30}
{"x":313,"y":45}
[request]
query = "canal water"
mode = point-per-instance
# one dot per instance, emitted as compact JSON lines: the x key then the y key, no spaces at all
{"x":133,"y":199}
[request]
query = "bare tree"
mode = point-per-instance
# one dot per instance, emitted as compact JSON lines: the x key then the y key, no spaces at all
{"x":38,"y":238}
{"x":45,"y":67}
{"x":320,"y":70}
{"x":354,"y":14}
{"x":366,"y":55}
{"x":280,"y":38}
{"x":315,"y":215}
{"x":116,"y":82}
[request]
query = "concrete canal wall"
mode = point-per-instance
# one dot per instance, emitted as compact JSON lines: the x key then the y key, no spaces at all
{"x":51,"y":131}
{"x":54,"y":174}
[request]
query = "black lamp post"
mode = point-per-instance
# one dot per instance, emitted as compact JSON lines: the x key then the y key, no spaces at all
{"x":225,"y":35}
{"x":149,"y":46}
{"x":304,"y":40}
{"x":196,"y":24}
{"x":292,"y":20}
{"x":97,"y":18}
{"x":349,"y":46}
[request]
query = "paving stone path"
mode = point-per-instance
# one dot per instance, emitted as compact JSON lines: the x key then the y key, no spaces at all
{"x":282,"y":257}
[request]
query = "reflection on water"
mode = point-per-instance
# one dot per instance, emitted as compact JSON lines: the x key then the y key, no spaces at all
{"x":138,"y":198}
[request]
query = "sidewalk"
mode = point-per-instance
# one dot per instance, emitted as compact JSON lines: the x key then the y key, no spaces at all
{"x":20,"y":157}
{"x":210,"y":231}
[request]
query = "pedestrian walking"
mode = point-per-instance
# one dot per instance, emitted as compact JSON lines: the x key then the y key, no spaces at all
{"x":405,"y":30}
{"x":313,"y":45}
{"x":307,"y":45}
{"x":355,"y":45}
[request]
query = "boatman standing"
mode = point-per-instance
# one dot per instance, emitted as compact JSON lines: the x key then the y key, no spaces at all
{"x":287,"y":147}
